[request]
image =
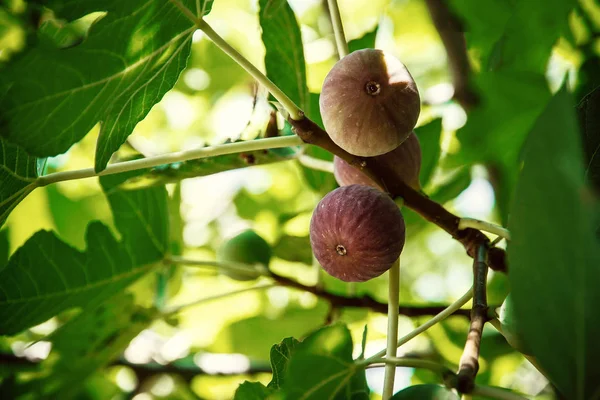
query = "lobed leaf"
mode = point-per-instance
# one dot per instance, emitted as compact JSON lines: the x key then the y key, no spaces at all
{"x":88,"y":342}
{"x":280,"y":357}
{"x":252,"y":391}
{"x":46,"y":276}
{"x":321,"y":367}
{"x":104,"y":79}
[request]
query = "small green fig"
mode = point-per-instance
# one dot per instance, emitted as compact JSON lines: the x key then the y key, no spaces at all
{"x":247,"y":248}
{"x":405,"y":160}
{"x":510,"y":326}
{"x":369,"y":103}
{"x":357,"y":233}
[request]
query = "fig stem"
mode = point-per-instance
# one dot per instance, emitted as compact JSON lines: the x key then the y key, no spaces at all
{"x":286,"y":102}
{"x":180,"y":156}
{"x":392,"y":333}
{"x":338,"y":28}
{"x":465,"y":223}
{"x":445,"y":313}
{"x":411,"y":363}
{"x":315,"y":163}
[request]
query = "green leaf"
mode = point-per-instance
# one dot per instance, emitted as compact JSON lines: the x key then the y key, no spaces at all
{"x":294,"y":248}
{"x":589,"y":123}
{"x":284,"y":57}
{"x":515,"y":35}
{"x":322,"y":368}
{"x":141,"y":216}
{"x":169,"y":173}
{"x":252,"y":391}
{"x":115,"y":82}
{"x":429,"y":139}
{"x":530,"y":33}
{"x":510,"y":104}
{"x":554,"y":254}
{"x":367,"y":41}
{"x":280,"y":357}
{"x":46,"y":276}
{"x":4,"y":248}
{"x":18,"y":172}
{"x":425,"y":392}
{"x":89,"y":342}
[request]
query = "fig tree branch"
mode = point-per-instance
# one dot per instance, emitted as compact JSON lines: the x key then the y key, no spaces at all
{"x":449,"y":29}
{"x":203,"y":152}
{"x":363,"y":301}
{"x":334,"y":299}
{"x":469,"y":361}
{"x":383,"y":175}
{"x":338,"y":28}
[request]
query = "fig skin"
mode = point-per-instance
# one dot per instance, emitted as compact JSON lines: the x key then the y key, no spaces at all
{"x":357,"y":233}
{"x":247,"y":248}
{"x":369,"y":103}
{"x":405,"y":160}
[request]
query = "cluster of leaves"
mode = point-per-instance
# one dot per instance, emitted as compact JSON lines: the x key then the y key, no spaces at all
{"x":551,"y":209}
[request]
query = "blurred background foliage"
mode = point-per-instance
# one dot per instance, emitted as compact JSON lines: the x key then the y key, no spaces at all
{"x":206,"y":351}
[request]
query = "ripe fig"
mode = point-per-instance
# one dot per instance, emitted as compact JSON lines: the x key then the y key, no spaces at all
{"x":405,"y":160}
{"x":357,"y":233}
{"x":246,"y":249}
{"x":369,"y":103}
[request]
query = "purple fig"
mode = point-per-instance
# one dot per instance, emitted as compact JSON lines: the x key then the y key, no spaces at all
{"x":357,"y":233}
{"x":369,"y":103}
{"x":405,"y":160}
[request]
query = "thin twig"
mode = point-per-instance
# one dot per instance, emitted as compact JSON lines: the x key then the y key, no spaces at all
{"x":315,"y":163}
{"x":453,"y":39}
{"x":411,"y":363}
{"x":469,"y":361}
{"x":338,"y":28}
{"x":392,"y":332}
{"x":336,"y":300}
{"x":177,"y":309}
{"x":484,"y":226}
{"x":180,"y":156}
{"x":450,"y":310}
{"x":282,"y":98}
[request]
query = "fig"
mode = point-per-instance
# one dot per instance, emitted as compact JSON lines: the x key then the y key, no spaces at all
{"x":369,"y":103}
{"x":357,"y":233}
{"x":246,"y":249}
{"x":405,"y":160}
